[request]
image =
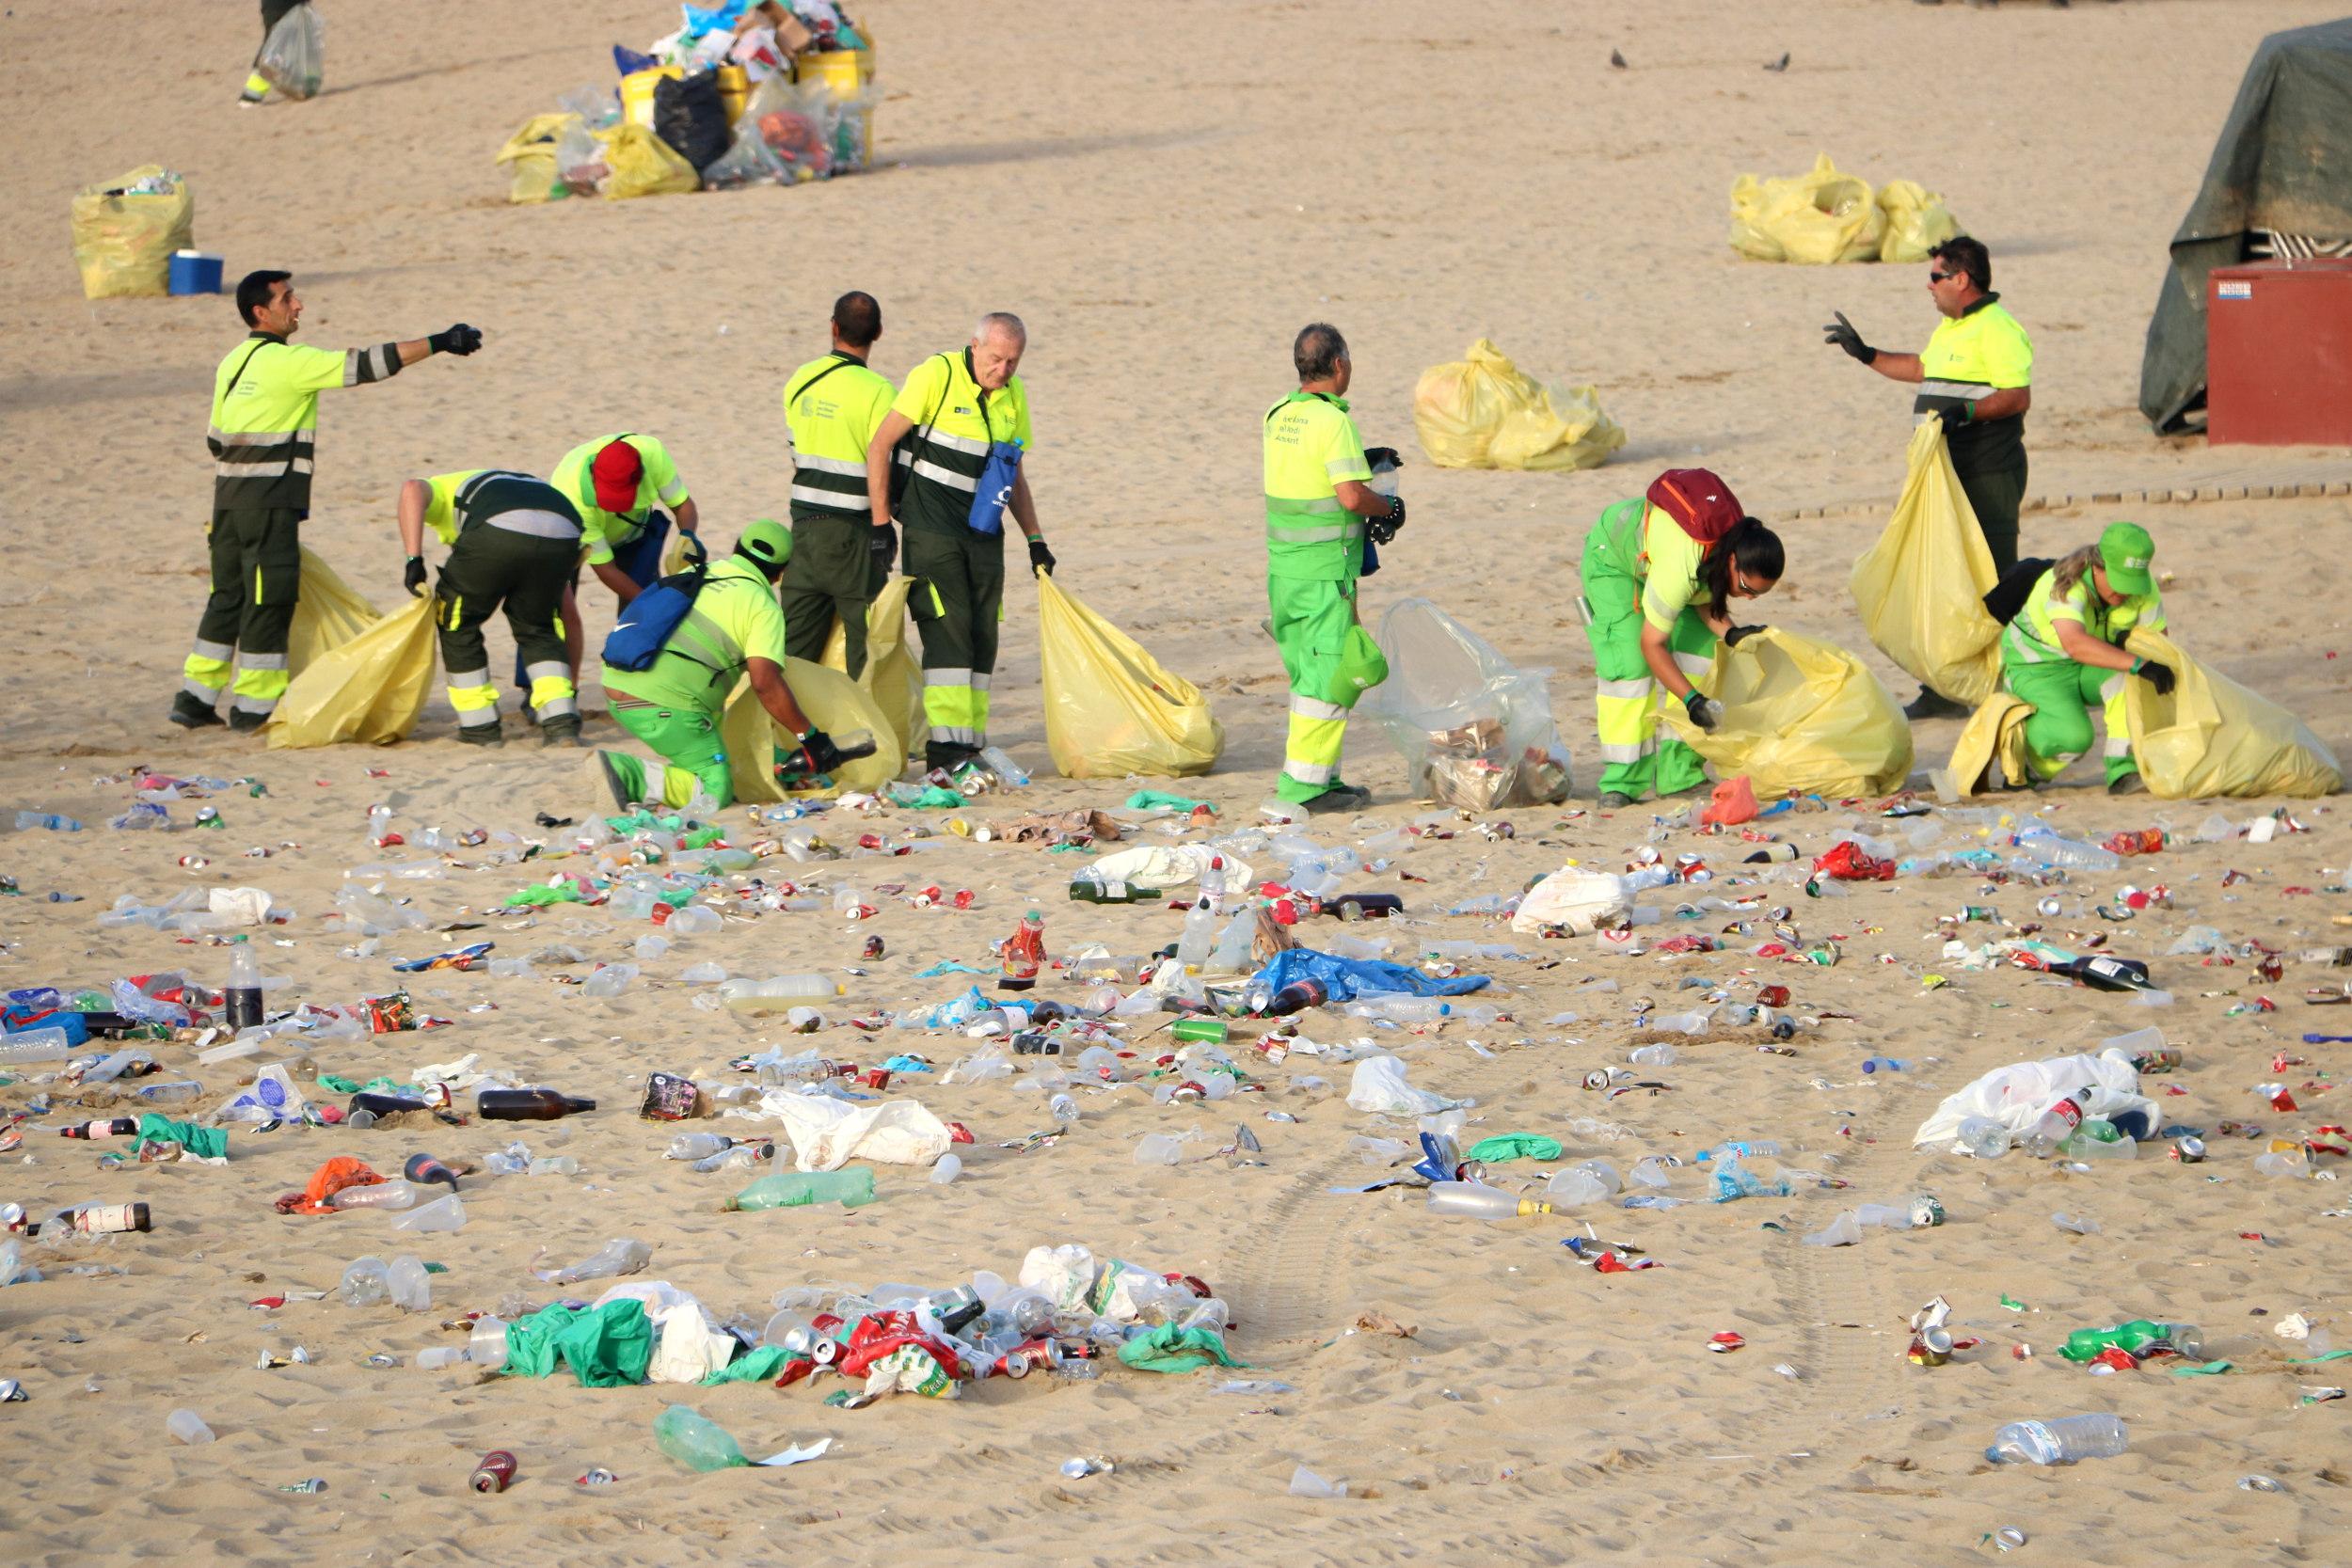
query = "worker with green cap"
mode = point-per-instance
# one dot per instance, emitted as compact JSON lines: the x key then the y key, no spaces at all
{"x":735,"y":628}
{"x":1318,"y":500}
{"x":2063,"y":651}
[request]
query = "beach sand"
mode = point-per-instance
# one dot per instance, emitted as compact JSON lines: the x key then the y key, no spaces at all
{"x":1166,"y":196}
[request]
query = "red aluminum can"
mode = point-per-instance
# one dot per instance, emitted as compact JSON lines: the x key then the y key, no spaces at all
{"x":496,"y":1472}
{"x":1774,"y":996}
{"x":964,"y":899}
{"x":876,"y":1078}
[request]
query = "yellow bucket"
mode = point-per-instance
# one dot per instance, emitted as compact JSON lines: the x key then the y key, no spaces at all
{"x":735,"y":90}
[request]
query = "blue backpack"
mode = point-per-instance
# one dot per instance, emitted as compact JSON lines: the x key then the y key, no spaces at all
{"x":648,"y":620}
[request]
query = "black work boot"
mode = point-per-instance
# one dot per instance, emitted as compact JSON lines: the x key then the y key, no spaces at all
{"x":192,"y":712}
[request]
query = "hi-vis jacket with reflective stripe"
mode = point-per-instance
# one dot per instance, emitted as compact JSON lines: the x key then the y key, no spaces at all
{"x":265,"y":416}
{"x":735,"y":619}
{"x":832,"y":407}
{"x":1311,"y":447}
{"x":955,"y":422}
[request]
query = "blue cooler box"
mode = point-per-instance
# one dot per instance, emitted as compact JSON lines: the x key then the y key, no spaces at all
{"x":194,"y":272}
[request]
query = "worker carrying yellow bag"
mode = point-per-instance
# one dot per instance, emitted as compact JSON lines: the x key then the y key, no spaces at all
{"x":835,"y":705}
{"x":126,"y":228}
{"x":1921,"y":588}
{"x":369,"y":689}
{"x":1798,"y":715}
{"x":1484,"y":412}
{"x":2210,"y":736}
{"x":1110,"y":708}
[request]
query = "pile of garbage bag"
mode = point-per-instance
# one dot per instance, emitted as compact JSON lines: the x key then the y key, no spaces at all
{"x":126,"y":228}
{"x":1825,"y":216}
{"x":1482,"y":411}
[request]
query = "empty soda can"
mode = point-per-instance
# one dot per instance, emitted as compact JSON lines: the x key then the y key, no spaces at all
{"x":2189,"y":1152}
{"x":2008,"y":1538}
{"x":874,"y":947}
{"x":496,"y":1472}
{"x":315,"y":1483}
{"x":1932,"y":1347}
{"x":598,"y":1476}
{"x":12,"y":1392}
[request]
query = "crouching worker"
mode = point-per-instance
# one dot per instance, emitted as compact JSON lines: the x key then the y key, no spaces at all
{"x":513,"y":540}
{"x":2063,"y":652}
{"x":673,"y":662}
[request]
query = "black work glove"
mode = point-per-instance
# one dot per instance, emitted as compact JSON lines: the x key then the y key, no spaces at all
{"x":884,"y":547}
{"x":1384,"y":529}
{"x":460,"y":339}
{"x":695,"y":550}
{"x":1731,"y":638}
{"x":1377,"y":458}
{"x":1845,"y":337}
{"x":817,"y":755}
{"x":1704,"y":710}
{"x":2158,"y":676}
{"x":1040,"y":559}
{"x":414,"y":576}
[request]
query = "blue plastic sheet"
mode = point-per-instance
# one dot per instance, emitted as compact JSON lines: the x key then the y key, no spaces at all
{"x":1345,"y":979}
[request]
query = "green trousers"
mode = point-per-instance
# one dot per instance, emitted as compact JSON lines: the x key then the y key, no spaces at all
{"x":2059,"y":729}
{"x":1310,"y":621}
{"x":1635,"y":759}
{"x":956,"y":601}
{"x":257,"y":576}
{"x":830,"y":577}
{"x":491,"y":568}
{"x":685,"y":739}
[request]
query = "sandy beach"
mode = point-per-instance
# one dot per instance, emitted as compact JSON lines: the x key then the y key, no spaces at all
{"x":1166,"y":196}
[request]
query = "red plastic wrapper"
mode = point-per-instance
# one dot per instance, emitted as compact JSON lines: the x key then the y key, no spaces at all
{"x":390,"y":1014}
{"x":1847,"y":863}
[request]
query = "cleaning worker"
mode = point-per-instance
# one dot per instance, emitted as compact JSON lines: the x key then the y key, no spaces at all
{"x":1661,"y":571}
{"x":676,"y":704}
{"x":1318,"y":497}
{"x":1976,"y":373}
{"x":266,"y":418}
{"x":832,"y":407}
{"x":513,"y":540}
{"x":963,"y":419}
{"x":257,"y":87}
{"x":2063,"y":651}
{"x":615,"y":483}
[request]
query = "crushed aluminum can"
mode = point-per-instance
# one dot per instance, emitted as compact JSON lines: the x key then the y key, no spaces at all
{"x":496,"y":1472}
{"x":2189,"y":1151}
{"x":12,"y":1392}
{"x":1926,"y":1210}
{"x":315,"y":1483}
{"x":1930,"y":1347}
{"x":1726,"y":1342}
{"x":598,"y":1476}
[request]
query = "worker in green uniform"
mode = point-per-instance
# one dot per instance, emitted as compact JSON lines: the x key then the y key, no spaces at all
{"x":959,"y":416}
{"x":1318,"y":497}
{"x":513,"y":540}
{"x":265,"y":417}
{"x":1976,"y":373}
{"x":616,"y":482}
{"x":2063,"y":651}
{"x":1659,"y":573}
{"x":833,"y":406}
{"x":677,"y":705}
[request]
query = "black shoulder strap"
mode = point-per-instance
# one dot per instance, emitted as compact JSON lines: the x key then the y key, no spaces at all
{"x":241,"y":366}
{"x":812,"y":380}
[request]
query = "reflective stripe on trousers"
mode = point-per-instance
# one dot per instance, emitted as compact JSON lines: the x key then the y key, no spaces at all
{"x":551,"y":693}
{"x":474,"y":698}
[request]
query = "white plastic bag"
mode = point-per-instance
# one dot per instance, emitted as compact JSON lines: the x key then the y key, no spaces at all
{"x":2015,"y":1096}
{"x":273,"y":1097}
{"x":1062,"y":1274}
{"x":1580,"y":900}
{"x":1166,"y":865}
{"x":687,"y":1348}
{"x":1380,"y":1085}
{"x":1474,"y":729}
{"x":828,"y":1133}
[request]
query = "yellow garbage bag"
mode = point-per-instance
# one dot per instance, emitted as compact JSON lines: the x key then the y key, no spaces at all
{"x":2212,"y":736}
{"x":642,"y":164}
{"x":1814,"y":218}
{"x":328,"y":615}
{"x":1916,"y":220}
{"x":1110,"y":709}
{"x":1997,"y":728}
{"x":1921,"y":588}
{"x":529,"y":156}
{"x":1482,"y":411}
{"x":369,"y":689}
{"x":126,"y":228}
{"x":894,"y":671}
{"x":835,"y":704}
{"x":1799,"y":715}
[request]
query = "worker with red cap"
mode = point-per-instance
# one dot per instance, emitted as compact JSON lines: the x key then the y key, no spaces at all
{"x":618,"y":484}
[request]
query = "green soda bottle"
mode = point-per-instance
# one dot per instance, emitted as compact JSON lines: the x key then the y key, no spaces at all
{"x":852,"y":1188}
{"x":2085,"y":1344}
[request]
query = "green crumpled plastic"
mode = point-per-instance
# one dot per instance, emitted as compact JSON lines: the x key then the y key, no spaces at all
{"x":1514,"y":1146}
{"x":338,"y":1082}
{"x":2202,"y":1369}
{"x":539,"y":895}
{"x":757,"y":1365}
{"x":604,"y":1346}
{"x":1172,"y":1348}
{"x":205,"y":1143}
{"x":1146,"y":799}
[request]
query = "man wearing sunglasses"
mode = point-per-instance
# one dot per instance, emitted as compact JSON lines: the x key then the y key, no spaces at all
{"x":1975,"y":373}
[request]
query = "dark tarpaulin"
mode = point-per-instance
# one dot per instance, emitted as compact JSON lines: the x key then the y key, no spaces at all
{"x":2284,"y":162}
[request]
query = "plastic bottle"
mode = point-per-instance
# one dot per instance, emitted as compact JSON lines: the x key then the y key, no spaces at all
{"x":178,"y":1091}
{"x":1025,"y":950}
{"x":1985,"y":1138}
{"x":527,"y":1104}
{"x":1003,"y":766}
{"x":1887,"y":1064}
{"x":618,"y":1257}
{"x":1475,"y":1200}
{"x":365,"y":1282}
{"x":947,"y":1170}
{"x":380,"y":1195}
{"x":852,"y":1188}
{"x":49,"y":1044}
{"x":2085,"y":1344}
{"x":1652,"y":1056}
{"x":692,"y":1440}
{"x":1063,"y":1109}
{"x":243,"y":992}
{"x":1213,"y":881}
{"x":1750,"y":1148}
{"x":379,"y":824}
{"x":776,"y":995}
{"x":2055,"y":1126}
{"x":27,"y":820}
{"x":185,"y":1425}
{"x":698,"y":1146}
{"x":2038,"y":842}
{"x":2059,"y":1442}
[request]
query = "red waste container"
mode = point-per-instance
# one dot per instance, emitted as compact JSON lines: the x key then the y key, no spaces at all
{"x":2278,"y":354}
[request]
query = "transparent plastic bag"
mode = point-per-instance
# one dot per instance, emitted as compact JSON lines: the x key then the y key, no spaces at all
{"x":1474,"y":729}
{"x":580,"y":164}
{"x":1921,"y":588}
{"x":294,"y":56}
{"x":784,"y":136}
{"x":1482,"y":411}
{"x":1814,"y":219}
{"x":1799,"y":716}
{"x":126,"y":228}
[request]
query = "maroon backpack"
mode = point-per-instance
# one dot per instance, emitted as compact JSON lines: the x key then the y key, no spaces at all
{"x":1699,"y":500}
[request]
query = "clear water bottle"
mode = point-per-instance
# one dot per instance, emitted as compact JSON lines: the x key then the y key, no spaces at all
{"x":1213,"y":882}
{"x":1984,"y":1137}
{"x":2060,"y":1442}
{"x":1064,"y":1109}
